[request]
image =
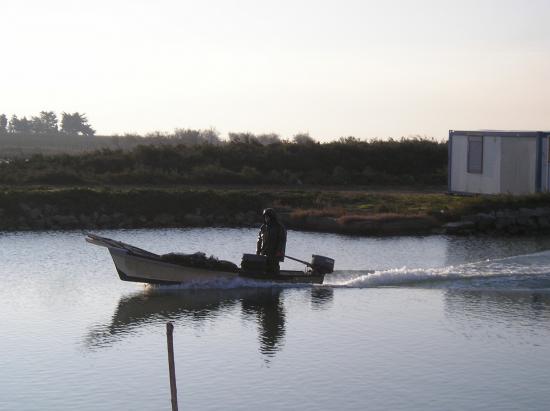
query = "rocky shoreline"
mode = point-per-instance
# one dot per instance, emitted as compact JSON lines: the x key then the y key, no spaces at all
{"x":507,"y":221}
{"x":51,"y":217}
{"x":23,"y":209}
{"x":500,"y":222}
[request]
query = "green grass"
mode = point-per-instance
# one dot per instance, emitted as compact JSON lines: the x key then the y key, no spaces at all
{"x":227,"y":202}
{"x":440,"y":205}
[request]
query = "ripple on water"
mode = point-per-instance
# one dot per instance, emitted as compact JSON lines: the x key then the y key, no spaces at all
{"x":442,"y":323}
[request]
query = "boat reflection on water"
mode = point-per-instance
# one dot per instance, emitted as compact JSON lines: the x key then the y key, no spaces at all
{"x":155,"y":306}
{"x":267,"y":308}
{"x":321,"y":297}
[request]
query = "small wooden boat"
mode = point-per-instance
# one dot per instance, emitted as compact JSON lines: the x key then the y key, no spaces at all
{"x":138,"y":265}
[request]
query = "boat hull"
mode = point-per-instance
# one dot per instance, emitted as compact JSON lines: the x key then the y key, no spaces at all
{"x":146,"y":270}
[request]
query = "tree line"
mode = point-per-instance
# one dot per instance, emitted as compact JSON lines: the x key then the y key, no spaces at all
{"x":188,"y":136}
{"x":245,"y":159}
{"x":48,"y":123}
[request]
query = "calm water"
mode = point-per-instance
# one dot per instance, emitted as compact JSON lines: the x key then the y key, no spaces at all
{"x":443,"y":324}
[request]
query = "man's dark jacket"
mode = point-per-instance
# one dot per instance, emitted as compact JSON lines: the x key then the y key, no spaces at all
{"x":272,"y":240}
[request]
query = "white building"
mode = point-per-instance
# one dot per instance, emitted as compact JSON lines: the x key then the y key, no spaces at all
{"x":493,"y":162}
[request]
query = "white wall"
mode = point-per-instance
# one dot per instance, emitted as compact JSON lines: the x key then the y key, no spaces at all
{"x":518,"y":165}
{"x":489,"y":181}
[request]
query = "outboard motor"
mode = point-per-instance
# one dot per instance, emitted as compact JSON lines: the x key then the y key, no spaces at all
{"x":321,"y":264}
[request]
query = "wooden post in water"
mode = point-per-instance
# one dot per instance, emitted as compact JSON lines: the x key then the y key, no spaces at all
{"x":171,"y":366}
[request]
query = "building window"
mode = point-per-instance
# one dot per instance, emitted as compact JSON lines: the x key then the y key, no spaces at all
{"x":475,"y":154}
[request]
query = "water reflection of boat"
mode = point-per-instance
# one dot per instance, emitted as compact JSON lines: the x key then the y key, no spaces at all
{"x":138,"y":265}
{"x":156,"y":306}
{"x":268,"y":309}
{"x":320,"y":296}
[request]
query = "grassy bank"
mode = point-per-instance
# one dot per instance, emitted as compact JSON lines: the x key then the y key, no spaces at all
{"x":344,"y":211}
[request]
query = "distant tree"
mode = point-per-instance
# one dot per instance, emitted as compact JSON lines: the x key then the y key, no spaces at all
{"x":13,"y":123}
{"x":211,"y":136}
{"x":349,"y":140}
{"x":303,"y":138}
{"x":19,"y":126}
{"x":267,"y":139}
{"x":3,"y":124}
{"x":188,"y":136}
{"x":36,"y":125}
{"x":45,"y":123}
{"x":246,"y":138}
{"x":157,"y":134}
{"x":76,"y":123}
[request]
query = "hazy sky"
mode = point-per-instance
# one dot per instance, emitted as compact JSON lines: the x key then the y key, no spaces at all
{"x":330,"y":68}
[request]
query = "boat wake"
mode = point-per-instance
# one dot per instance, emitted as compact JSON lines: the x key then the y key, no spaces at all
{"x":523,"y":271}
{"x":529,"y":271}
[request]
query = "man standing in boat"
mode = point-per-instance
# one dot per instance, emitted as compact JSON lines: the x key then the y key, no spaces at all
{"x":272,"y":241}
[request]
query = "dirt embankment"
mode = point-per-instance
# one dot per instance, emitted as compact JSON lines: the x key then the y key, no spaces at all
{"x":346,"y":212}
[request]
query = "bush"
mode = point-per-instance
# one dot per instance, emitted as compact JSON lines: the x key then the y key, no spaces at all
{"x":244,"y":161}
